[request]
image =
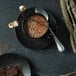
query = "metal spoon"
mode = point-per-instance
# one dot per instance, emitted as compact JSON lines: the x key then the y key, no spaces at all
{"x":60,"y":46}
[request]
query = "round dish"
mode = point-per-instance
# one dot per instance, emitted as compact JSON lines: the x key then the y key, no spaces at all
{"x":32,"y":43}
{"x":14,"y":59}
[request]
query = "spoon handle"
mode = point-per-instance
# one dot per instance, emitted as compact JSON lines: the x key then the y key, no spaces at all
{"x":59,"y":45}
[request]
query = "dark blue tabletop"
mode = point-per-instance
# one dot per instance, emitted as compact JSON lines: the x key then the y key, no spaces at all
{"x":47,"y":62}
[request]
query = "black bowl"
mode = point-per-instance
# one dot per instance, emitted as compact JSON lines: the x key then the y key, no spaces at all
{"x":32,"y":43}
{"x":15,"y":59}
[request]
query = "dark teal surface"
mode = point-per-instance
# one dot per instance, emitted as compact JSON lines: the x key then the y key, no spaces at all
{"x":48,"y":62}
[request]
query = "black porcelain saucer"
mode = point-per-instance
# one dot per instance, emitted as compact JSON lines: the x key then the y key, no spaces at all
{"x":31,"y":43}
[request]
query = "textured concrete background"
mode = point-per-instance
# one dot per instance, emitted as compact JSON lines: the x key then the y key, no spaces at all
{"x":43,"y":62}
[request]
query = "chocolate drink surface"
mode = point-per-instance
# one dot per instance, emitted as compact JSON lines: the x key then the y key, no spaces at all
{"x":36,"y":26}
{"x":11,"y":71}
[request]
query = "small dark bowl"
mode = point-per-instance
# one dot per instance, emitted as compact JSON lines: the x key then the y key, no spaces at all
{"x":15,"y":59}
{"x":34,"y":43}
